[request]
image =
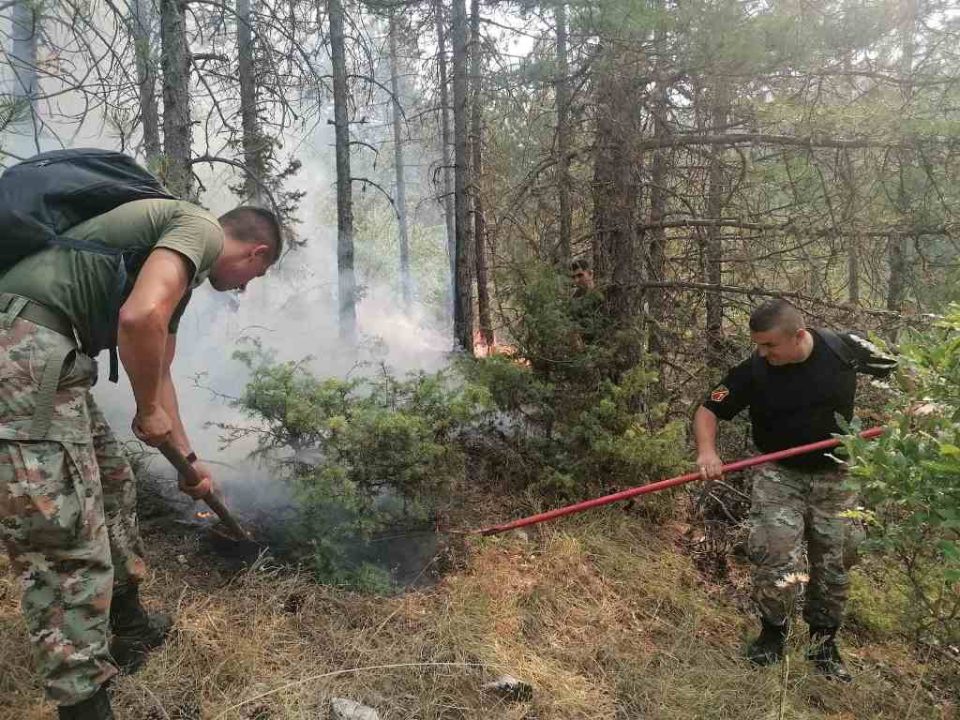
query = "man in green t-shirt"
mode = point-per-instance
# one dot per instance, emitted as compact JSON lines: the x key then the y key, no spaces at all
{"x":67,"y":494}
{"x":586,"y":305}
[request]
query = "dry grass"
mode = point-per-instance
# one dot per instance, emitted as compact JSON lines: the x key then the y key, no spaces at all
{"x":602,"y":615}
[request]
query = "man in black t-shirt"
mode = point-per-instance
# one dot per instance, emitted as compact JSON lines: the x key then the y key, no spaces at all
{"x":795,"y":385}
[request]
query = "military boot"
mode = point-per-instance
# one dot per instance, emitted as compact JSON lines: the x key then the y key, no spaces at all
{"x":767,"y":649}
{"x":135,"y":632}
{"x":95,"y":707}
{"x":825,"y":655}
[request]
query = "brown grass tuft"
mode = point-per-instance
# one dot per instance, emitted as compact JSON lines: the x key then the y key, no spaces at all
{"x":601,"y":614}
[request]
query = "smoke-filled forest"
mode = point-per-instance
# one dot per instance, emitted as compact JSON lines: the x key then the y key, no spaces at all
{"x":524,"y":255}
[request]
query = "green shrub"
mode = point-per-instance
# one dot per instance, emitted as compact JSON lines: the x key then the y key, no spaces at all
{"x":364,"y":454}
{"x":577,"y":410}
{"x":910,"y":479}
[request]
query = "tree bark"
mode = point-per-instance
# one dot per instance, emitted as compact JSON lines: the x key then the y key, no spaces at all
{"x":713,"y":251}
{"x":615,"y":195}
{"x":254,"y":144}
{"x":449,"y":208}
{"x":347,"y":283}
{"x":177,"y":130}
{"x":898,"y":244}
{"x":656,"y":240}
{"x":23,"y":61}
{"x":809,"y":141}
{"x":479,"y":220}
{"x":853,"y":270}
{"x":143,"y":29}
{"x":562,"y":89}
{"x":849,"y":221}
{"x":897,"y":280}
{"x":401,"y":199}
{"x":463,"y":295}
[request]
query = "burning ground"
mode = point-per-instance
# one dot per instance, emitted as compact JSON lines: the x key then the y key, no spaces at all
{"x":605,"y":615}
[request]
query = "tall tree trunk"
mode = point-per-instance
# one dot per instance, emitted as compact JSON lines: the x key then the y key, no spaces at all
{"x":615,"y":195}
{"x":449,"y":208}
{"x":254,"y":144}
{"x":898,"y":243}
{"x":714,"y":239}
{"x":656,"y":240}
{"x":347,"y":285}
{"x":405,"y":282}
{"x":463,"y":295}
{"x":23,"y":61}
{"x":562,"y":85}
{"x":479,"y":221}
{"x":851,"y":234}
{"x":897,"y":281}
{"x":177,"y":130}
{"x":853,"y":269}
{"x":143,"y":28}
{"x":851,"y":209}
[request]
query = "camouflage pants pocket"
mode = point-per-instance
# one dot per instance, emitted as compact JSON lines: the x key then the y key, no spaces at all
{"x":52,"y":523}
{"x":119,"y":502}
{"x":832,"y":542}
{"x":775,"y":543}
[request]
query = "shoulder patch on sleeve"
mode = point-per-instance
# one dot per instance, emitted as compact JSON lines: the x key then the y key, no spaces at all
{"x":720,"y":393}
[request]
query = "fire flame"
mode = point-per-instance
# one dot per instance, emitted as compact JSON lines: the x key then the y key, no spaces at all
{"x":204,"y":515}
{"x":481,"y":349}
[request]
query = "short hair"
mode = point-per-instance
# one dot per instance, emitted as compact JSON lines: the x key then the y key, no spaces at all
{"x":579,"y":264}
{"x":251,"y":224}
{"x":776,"y":313}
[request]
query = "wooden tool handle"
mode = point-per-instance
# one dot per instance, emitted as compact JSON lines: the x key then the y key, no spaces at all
{"x":189,"y":472}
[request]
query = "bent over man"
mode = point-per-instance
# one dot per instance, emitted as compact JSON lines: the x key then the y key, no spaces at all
{"x":67,"y":494}
{"x":795,"y":385}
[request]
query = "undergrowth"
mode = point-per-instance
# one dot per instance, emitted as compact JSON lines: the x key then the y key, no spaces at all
{"x":602,"y":615}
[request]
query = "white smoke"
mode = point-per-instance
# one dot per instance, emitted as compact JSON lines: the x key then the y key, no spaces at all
{"x":292,"y":311}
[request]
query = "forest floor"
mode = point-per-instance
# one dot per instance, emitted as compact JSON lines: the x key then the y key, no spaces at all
{"x":605,"y":615}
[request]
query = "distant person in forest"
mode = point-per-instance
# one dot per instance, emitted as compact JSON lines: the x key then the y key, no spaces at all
{"x":795,"y":385}
{"x":582,"y":276}
{"x":586,"y":305}
{"x":67,"y":493}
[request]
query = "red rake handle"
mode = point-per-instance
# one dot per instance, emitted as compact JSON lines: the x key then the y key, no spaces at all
{"x":213,"y":501}
{"x":671,"y":482}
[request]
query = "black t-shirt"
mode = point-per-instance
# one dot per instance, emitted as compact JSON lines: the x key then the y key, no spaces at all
{"x":798,"y":403}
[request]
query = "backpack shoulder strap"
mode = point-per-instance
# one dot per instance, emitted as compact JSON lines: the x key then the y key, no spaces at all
{"x":838,"y":347}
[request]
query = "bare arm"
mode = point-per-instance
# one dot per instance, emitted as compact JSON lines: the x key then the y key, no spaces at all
{"x":142,"y":338}
{"x":705,"y":434}
{"x":168,"y":399}
{"x":178,"y":434}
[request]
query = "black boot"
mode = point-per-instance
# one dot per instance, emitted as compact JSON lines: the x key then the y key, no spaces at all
{"x":135,"y":632}
{"x":95,"y":707}
{"x":768,"y":648}
{"x":825,"y":655}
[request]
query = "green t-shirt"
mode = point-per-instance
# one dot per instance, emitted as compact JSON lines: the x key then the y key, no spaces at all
{"x":82,"y":285}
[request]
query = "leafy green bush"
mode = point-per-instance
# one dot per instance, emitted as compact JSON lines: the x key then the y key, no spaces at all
{"x":566,"y":334}
{"x":565,"y":418}
{"x":364,"y":454}
{"x":910,"y":479}
{"x":577,"y":410}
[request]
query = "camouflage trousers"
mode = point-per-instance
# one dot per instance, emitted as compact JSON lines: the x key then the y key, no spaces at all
{"x":67,"y":509}
{"x":789,"y":507}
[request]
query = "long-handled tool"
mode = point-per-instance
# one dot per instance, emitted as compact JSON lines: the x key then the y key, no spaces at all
{"x":671,"y":482}
{"x":193,"y":478}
